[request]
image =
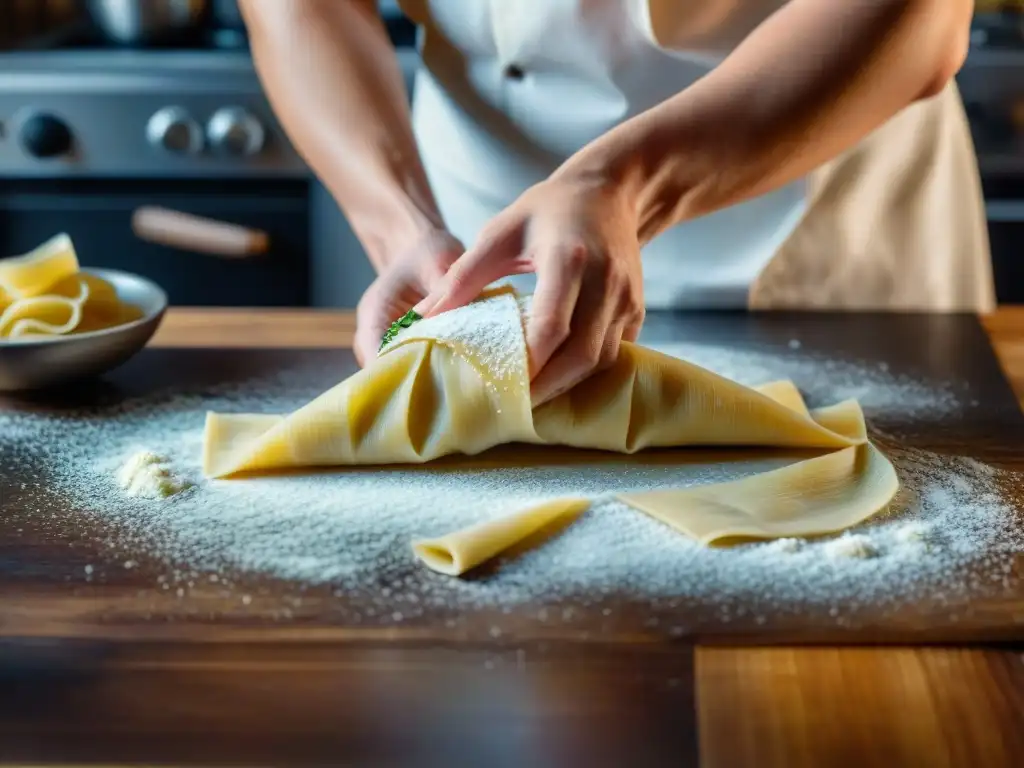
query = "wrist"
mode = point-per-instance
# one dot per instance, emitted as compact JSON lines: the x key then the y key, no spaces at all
{"x":391,"y":234}
{"x":645,"y":161}
{"x":610,"y":164}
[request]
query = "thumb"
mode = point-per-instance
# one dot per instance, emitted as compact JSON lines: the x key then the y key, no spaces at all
{"x":370,"y":329}
{"x":493,"y":257}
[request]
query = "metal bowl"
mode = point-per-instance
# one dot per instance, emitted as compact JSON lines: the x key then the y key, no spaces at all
{"x":134,"y":22}
{"x":27,"y":364}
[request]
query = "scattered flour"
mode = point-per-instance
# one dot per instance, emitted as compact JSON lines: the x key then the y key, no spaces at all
{"x":914,"y":532}
{"x":785,"y":546}
{"x":850,"y":545}
{"x":954,"y":528}
{"x":146,"y":474}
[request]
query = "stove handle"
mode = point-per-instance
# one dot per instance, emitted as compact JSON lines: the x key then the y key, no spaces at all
{"x":194,"y":233}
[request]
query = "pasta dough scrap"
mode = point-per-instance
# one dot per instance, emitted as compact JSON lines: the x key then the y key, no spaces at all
{"x":463,"y":550}
{"x":459,"y":384}
{"x":822,"y":495}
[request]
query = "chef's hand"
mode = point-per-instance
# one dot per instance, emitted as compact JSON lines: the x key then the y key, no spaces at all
{"x":405,"y":280}
{"x":580,"y":238}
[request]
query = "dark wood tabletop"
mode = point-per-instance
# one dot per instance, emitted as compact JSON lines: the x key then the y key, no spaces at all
{"x":112,"y":675}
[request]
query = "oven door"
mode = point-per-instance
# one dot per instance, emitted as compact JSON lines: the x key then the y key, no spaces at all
{"x":207,"y":243}
{"x":1004,"y":204}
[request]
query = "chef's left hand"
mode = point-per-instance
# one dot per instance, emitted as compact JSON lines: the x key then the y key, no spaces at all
{"x":579,"y":235}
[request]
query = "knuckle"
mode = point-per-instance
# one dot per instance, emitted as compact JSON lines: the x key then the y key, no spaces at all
{"x":589,"y":355}
{"x":456,"y":272}
{"x":633,"y":305}
{"x":609,"y":354}
{"x":616,"y":275}
{"x":575,"y":256}
{"x":554,"y":330}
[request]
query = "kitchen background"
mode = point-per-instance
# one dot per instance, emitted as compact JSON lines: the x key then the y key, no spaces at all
{"x":139,"y":127}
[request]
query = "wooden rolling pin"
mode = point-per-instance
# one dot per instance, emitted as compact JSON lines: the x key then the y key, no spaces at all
{"x":194,"y":233}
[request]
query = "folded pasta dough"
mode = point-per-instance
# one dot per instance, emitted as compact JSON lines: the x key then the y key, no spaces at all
{"x":459,"y":383}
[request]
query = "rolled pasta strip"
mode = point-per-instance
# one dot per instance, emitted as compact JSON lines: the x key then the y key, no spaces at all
{"x":458,"y":552}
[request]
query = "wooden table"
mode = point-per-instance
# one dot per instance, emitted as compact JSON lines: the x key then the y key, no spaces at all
{"x":716,"y":706}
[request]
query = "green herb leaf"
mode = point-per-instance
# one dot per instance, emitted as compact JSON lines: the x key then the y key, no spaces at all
{"x":404,"y":321}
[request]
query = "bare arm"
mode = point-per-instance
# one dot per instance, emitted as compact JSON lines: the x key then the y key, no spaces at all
{"x":331,"y":74}
{"x":809,"y":83}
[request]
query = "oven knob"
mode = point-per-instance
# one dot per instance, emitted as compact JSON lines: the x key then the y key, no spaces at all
{"x":173,"y":129}
{"x":235,"y":131}
{"x":45,"y":136}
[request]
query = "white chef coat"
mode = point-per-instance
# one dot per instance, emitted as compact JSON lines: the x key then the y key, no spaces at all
{"x":511,"y":88}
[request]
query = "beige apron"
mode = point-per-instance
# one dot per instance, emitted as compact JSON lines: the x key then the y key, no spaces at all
{"x":510,"y":89}
{"x":896,"y":223}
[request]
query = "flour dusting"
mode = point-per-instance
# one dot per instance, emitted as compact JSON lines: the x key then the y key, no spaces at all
{"x":489,"y":329}
{"x":953,"y":529}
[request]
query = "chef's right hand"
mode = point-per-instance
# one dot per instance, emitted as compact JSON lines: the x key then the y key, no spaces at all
{"x":403,"y":282}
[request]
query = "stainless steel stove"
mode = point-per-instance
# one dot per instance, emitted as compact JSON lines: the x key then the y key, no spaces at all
{"x":88,"y":113}
{"x":112,"y":145}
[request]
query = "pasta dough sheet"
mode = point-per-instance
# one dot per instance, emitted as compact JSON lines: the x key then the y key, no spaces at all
{"x":44,"y":294}
{"x":441,"y":388}
{"x":459,"y":384}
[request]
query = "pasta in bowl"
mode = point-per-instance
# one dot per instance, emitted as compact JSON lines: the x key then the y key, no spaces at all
{"x":60,"y":322}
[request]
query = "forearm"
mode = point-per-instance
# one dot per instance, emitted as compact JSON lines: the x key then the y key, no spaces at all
{"x":808,"y":84}
{"x":332,"y":76}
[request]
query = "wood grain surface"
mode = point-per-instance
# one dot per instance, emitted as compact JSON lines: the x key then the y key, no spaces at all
{"x":133,"y":692}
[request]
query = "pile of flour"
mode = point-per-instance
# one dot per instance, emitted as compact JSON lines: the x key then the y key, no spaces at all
{"x":953,"y":529}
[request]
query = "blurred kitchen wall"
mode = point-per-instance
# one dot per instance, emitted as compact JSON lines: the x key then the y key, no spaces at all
{"x":21,"y":19}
